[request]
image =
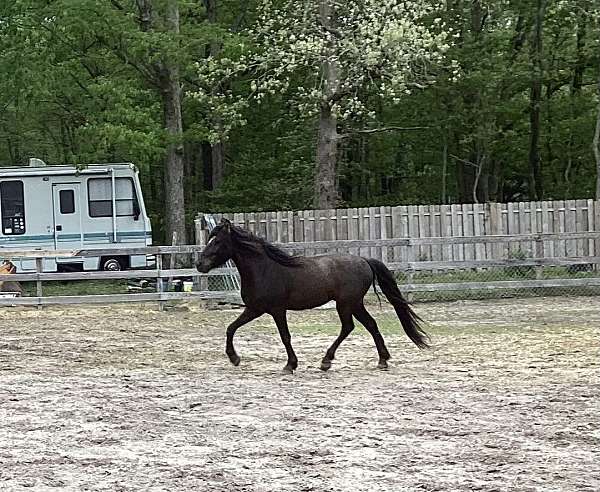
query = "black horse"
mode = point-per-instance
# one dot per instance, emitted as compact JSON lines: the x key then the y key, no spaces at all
{"x":273,"y":282}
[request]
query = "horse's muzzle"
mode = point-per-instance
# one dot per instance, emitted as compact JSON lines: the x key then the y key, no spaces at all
{"x":202,"y":267}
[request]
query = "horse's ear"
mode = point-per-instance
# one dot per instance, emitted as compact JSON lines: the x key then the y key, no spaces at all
{"x":226,"y":223}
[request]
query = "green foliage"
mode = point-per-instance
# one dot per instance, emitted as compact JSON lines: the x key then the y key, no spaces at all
{"x":79,"y":85}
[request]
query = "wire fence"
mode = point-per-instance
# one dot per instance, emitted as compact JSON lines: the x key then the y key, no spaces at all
{"x":501,"y":282}
{"x":520,"y":280}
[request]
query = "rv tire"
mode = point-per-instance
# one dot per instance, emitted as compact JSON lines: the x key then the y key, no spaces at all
{"x":112,"y":264}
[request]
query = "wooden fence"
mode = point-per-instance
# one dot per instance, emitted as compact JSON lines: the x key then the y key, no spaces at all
{"x":159,"y":273}
{"x":558,"y":222}
{"x":537,"y":261}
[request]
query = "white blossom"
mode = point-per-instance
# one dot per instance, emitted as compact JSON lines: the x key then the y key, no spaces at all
{"x":381,"y":47}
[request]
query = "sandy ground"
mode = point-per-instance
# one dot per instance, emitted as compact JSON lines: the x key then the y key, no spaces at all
{"x":129,"y":398}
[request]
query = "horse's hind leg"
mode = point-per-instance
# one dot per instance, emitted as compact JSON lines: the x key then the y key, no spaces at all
{"x":345,"y":314}
{"x":363,"y":316}
{"x":284,"y":332}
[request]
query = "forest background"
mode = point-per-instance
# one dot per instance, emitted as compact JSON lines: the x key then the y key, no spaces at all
{"x":254,"y":105}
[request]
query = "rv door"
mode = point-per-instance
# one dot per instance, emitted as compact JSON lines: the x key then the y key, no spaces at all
{"x":68,"y":228}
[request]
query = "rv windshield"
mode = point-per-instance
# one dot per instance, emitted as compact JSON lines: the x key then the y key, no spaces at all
{"x":13,"y":207}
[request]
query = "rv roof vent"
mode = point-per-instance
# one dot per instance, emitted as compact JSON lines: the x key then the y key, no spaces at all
{"x":34,"y":162}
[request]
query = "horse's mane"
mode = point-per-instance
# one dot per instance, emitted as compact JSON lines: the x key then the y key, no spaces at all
{"x":248,"y":241}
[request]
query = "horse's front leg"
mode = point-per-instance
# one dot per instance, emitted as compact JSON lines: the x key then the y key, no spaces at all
{"x":246,"y":316}
{"x":281,"y":322}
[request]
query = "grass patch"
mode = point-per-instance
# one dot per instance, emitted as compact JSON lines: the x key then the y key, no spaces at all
{"x":76,"y":287}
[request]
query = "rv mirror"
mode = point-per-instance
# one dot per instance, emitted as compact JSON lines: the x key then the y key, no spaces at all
{"x":136,"y":210}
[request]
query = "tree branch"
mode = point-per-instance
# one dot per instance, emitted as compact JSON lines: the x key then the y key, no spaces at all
{"x":383,"y":129}
{"x":464,"y":161}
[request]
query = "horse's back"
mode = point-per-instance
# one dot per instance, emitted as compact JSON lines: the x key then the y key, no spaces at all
{"x":320,"y":279}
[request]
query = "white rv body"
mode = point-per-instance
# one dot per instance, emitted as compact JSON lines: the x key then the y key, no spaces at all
{"x":65,"y":208}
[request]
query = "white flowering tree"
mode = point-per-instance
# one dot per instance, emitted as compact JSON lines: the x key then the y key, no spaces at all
{"x":341,"y":50}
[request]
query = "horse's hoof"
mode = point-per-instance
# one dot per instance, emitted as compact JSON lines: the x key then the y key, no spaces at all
{"x":325,"y":365}
{"x":383,"y":365}
{"x":235,"y":360}
{"x":287,"y":370}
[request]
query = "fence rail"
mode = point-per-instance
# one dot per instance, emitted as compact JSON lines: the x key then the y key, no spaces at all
{"x":408,"y":269}
{"x":159,"y":274}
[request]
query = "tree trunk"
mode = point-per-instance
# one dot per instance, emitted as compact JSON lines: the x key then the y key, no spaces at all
{"x":217,"y":160}
{"x":536,"y":189}
{"x":207,"y":176}
{"x":218,"y":163}
{"x":495,"y":181}
{"x":326,"y":195}
{"x":444,"y":167}
{"x":167,"y":74}
{"x":327,"y":142}
{"x":174,"y":169}
{"x":596,"y":142}
{"x":575,"y":93}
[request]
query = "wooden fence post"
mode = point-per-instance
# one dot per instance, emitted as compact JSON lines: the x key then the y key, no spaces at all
{"x":410,"y":273}
{"x":201,"y":235}
{"x":39,"y":268}
{"x":172,"y":260}
{"x":539,"y":254}
{"x":159,"y":283}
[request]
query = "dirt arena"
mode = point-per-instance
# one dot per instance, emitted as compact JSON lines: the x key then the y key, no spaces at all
{"x":129,"y":398}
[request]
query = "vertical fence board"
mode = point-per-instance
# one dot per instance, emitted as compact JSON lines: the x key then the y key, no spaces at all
{"x":570,"y":225}
{"x":478,"y":230}
{"x":589,"y":210}
{"x":597,"y":226}
{"x":436,"y":231}
{"x":446,"y":230}
{"x":383,"y":232}
{"x":353,"y":228}
{"x":457,"y":230}
{"x":495,"y":226}
{"x":467,"y":224}
{"x":582,"y":226}
{"x":420,"y":218}
{"x":374,"y":230}
{"x":397,"y":232}
{"x":546,"y":226}
{"x":404,"y":227}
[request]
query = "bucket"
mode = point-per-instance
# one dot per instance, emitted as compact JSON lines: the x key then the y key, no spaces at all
{"x":187,"y":286}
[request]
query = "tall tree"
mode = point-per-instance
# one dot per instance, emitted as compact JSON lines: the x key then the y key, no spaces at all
{"x":596,"y":140}
{"x":217,"y":148}
{"x":166,"y":73}
{"x":327,"y":137}
{"x":337,"y":59}
{"x":536,"y":187}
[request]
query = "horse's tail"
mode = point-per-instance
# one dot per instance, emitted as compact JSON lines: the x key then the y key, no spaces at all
{"x":409,"y":319}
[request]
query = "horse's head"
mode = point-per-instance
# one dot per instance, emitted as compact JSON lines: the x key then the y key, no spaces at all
{"x":7,"y":267}
{"x":219,"y":248}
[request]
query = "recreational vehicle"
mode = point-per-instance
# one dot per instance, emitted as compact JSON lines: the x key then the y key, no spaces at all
{"x":67,"y":208}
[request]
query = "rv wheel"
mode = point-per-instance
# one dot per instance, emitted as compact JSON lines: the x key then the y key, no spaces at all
{"x":111,"y":265}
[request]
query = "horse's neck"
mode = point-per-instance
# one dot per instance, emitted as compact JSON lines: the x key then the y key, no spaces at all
{"x":251,"y":266}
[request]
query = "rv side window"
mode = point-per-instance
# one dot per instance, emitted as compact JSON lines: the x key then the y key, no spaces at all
{"x":12,"y":202}
{"x":100,"y":198}
{"x":67,"y":201}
